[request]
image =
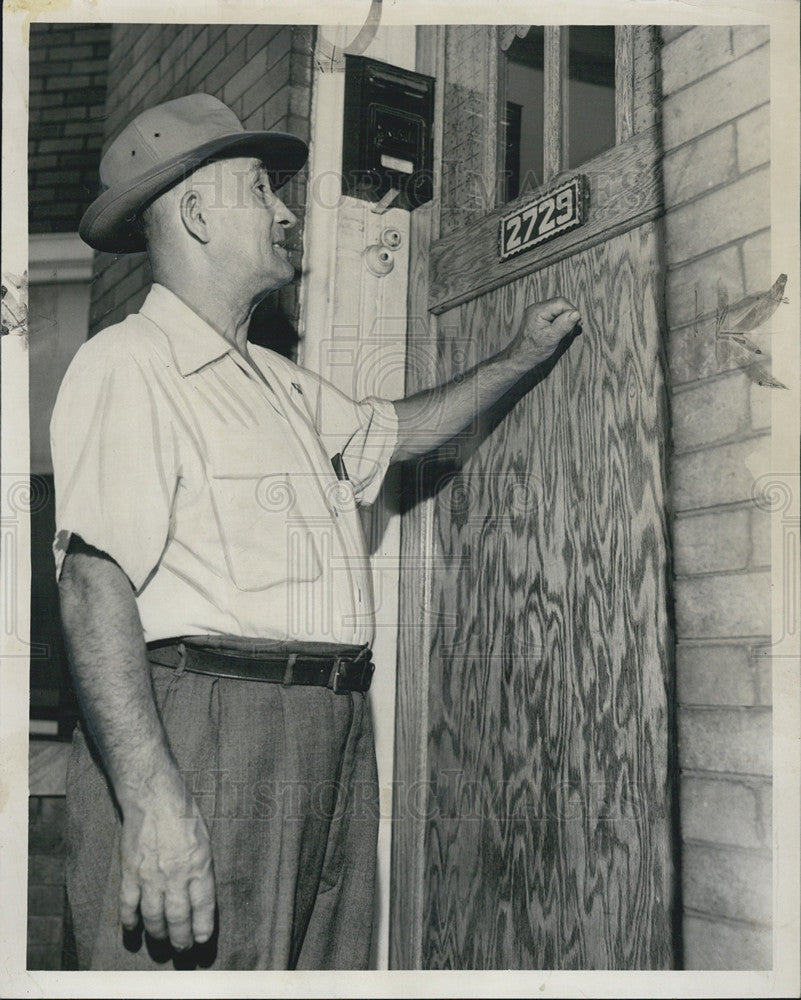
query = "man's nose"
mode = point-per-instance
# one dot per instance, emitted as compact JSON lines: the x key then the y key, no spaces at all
{"x":283,"y":216}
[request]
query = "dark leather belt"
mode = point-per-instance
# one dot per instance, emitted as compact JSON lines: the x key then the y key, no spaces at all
{"x":338,"y":667}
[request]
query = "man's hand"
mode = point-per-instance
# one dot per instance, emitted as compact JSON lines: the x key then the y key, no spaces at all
{"x":545,"y":325}
{"x":167,"y":872}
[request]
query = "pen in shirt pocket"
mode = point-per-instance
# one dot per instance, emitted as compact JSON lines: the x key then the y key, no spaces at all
{"x":339,"y":466}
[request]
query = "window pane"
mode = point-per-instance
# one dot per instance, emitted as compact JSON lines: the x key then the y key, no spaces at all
{"x":523,"y":120}
{"x":591,"y":92}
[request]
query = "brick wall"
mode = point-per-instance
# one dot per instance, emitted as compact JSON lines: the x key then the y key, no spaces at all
{"x":68,"y":69}
{"x":46,"y":898}
{"x":263,"y":72}
{"x":715,"y":83}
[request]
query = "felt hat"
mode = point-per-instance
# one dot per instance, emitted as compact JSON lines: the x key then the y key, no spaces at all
{"x":161,"y":146}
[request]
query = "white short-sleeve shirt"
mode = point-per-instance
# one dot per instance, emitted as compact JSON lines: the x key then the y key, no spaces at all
{"x":212,"y":487}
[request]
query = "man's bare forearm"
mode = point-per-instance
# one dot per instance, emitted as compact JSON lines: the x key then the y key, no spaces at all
{"x":430,"y":418}
{"x":108,"y":657}
{"x":167,"y":872}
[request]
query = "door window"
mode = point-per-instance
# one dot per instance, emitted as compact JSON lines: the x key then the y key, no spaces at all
{"x":558,"y":106}
{"x":523,"y":117}
{"x":590,"y":92}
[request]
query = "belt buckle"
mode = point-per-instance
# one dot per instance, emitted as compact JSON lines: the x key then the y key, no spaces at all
{"x":337,"y":674}
{"x":368,"y":669}
{"x":363,"y":659}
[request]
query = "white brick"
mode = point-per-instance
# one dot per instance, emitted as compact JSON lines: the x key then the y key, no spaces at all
{"x":694,"y":54}
{"x":720,"y":607}
{"x":760,"y":405}
{"x":694,"y":168}
{"x":721,"y":216}
{"x":733,"y":740}
{"x":763,"y":671}
{"x":718,"y":675}
{"x":760,"y":537}
{"x":670,"y":32}
{"x":692,"y":286}
{"x":745,"y":37}
{"x":753,"y":139}
{"x":723,"y":945}
{"x":709,"y":543}
{"x":757,"y":263}
{"x":734,"y":811}
{"x":725,"y":474}
{"x":711,"y":411}
{"x":692,"y":353}
{"x":718,"y":98}
{"x":727,"y":882}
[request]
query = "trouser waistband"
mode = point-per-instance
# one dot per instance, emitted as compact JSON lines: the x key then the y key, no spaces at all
{"x":342,"y":668}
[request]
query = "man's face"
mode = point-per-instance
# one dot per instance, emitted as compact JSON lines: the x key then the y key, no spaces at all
{"x":247,"y":225}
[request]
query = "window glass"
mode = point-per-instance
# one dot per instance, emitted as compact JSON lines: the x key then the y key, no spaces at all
{"x":524,"y":114}
{"x":591,"y":92}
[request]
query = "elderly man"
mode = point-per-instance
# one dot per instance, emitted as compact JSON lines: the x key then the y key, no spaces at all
{"x":214,"y":582}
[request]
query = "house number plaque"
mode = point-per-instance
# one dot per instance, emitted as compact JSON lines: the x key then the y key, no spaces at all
{"x":551,"y":214}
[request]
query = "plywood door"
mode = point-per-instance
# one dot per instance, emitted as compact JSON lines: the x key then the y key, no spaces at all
{"x":548,"y":814}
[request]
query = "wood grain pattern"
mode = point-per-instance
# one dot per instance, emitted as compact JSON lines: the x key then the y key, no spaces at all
{"x":647,"y":77}
{"x":548,"y":839}
{"x":407,"y":898}
{"x":624,"y":82}
{"x":625,"y":191}
{"x":554,"y":134}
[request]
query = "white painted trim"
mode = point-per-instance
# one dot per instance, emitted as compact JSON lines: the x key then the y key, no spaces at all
{"x":57,"y":258}
{"x":341,"y":302}
{"x":322,"y":207}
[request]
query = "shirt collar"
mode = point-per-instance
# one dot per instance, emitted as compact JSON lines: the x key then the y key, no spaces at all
{"x":193,"y":342}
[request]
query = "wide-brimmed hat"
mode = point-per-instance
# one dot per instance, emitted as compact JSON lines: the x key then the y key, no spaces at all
{"x":164,"y":144}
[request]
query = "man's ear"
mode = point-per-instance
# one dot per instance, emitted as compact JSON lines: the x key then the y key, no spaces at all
{"x":193,"y":215}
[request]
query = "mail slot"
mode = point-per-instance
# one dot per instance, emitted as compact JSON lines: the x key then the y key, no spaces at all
{"x":387,"y":140}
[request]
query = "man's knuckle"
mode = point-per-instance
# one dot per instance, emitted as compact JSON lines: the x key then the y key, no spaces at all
{"x":151,"y":910}
{"x":176,"y":909}
{"x":177,"y":912}
{"x":203,"y":894}
{"x":129,"y":897}
{"x":180,"y":930}
{"x":203,"y":922}
{"x":155,"y":927}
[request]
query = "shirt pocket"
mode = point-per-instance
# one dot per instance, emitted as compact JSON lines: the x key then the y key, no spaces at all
{"x":266,"y":539}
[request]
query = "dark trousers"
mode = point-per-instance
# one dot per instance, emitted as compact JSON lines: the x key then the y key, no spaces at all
{"x":285,"y":778}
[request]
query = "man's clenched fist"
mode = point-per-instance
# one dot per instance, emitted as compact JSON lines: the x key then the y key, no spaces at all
{"x":545,"y":325}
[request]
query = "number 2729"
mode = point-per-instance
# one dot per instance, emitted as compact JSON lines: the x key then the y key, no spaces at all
{"x":540,"y":220}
